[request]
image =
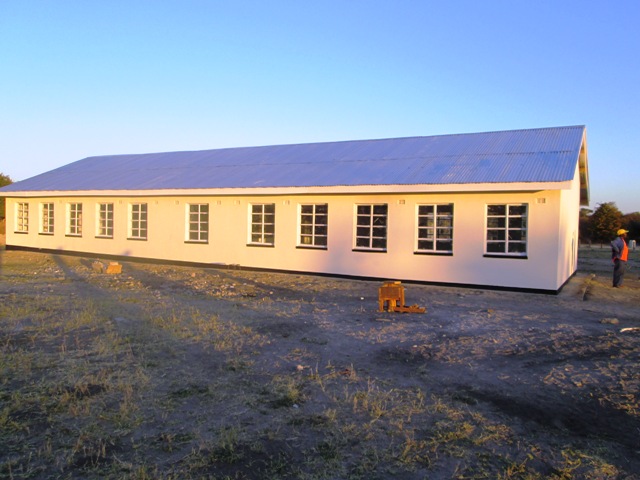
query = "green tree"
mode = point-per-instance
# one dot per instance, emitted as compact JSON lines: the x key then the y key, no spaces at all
{"x":605,"y":221}
{"x":4,"y":180}
{"x":585,"y":225}
{"x":631,"y":222}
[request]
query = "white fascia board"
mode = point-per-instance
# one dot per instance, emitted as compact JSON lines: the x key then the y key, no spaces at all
{"x":338,"y":190}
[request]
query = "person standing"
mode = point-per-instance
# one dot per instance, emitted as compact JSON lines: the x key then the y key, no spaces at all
{"x":619,"y":255}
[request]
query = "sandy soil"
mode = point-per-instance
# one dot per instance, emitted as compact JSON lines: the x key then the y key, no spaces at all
{"x":559,"y":370}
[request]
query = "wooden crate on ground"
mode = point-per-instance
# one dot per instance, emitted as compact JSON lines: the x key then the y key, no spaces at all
{"x":391,"y":295}
{"x":391,"y":299}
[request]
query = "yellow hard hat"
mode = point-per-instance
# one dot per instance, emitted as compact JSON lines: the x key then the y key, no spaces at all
{"x":622,"y":231}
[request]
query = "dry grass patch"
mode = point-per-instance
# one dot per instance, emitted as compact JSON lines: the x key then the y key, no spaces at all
{"x":168,"y":372}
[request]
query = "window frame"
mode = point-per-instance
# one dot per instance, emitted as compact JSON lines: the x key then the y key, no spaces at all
{"x":310,"y":230}
{"x":366,"y":225}
{"x":21,"y":217}
{"x":104,"y":220}
{"x":47,"y":218}
{"x":201,"y":231}
{"x":74,"y":219}
{"x":259,"y":227}
{"x":138,"y":221}
{"x":510,"y":227}
{"x":434,"y":228}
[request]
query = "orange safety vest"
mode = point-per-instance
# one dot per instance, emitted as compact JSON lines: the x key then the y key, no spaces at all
{"x":625,"y":251}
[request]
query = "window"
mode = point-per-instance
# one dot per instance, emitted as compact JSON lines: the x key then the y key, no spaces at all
{"x":371,"y":227}
{"x":138,"y":221}
{"x":507,"y":230}
{"x":198,"y":222}
{"x":46,"y":217}
{"x":74,"y":217}
{"x":313,"y":225}
{"x":435,"y":229}
{"x":105,"y":220}
{"x":22,"y":217}
{"x":263,"y":217}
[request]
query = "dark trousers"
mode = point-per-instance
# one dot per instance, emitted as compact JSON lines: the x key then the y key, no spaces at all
{"x":618,"y":272}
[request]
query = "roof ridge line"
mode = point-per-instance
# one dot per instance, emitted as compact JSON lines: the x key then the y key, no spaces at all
{"x":329,"y":142}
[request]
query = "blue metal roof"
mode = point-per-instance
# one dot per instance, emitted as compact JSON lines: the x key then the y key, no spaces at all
{"x":535,"y":155}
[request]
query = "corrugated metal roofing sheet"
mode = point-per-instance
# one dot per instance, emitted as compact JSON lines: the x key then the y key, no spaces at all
{"x":535,"y":155}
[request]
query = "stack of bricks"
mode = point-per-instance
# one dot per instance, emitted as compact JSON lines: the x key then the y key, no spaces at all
{"x":113,"y":267}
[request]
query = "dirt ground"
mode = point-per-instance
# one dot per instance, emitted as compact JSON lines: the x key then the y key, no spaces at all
{"x":178,"y":372}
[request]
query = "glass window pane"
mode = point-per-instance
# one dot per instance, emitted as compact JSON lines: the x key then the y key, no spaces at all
{"x":425,"y":221}
{"x":444,"y":233}
{"x":517,"y":247}
{"x":379,"y":232}
{"x":380,"y":210}
{"x":496,"y":247}
{"x":516,"y":222}
{"x":362,"y":231}
{"x":425,"y":234}
{"x":379,"y":220}
{"x":496,"y":209}
{"x":425,"y":245}
{"x":379,"y":243}
{"x":496,"y":235}
{"x":444,"y":245}
{"x":517,"y":209}
{"x":321,"y":230}
{"x":321,"y":241}
{"x":516,"y":235}
{"x":362,"y":242}
{"x":445,"y":209}
{"x":496,"y":222}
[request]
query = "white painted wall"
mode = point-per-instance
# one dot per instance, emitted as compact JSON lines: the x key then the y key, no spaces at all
{"x":569,"y":225}
{"x":552,"y":225}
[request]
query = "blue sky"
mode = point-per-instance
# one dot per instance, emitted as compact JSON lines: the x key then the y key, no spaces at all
{"x":83,"y":78}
